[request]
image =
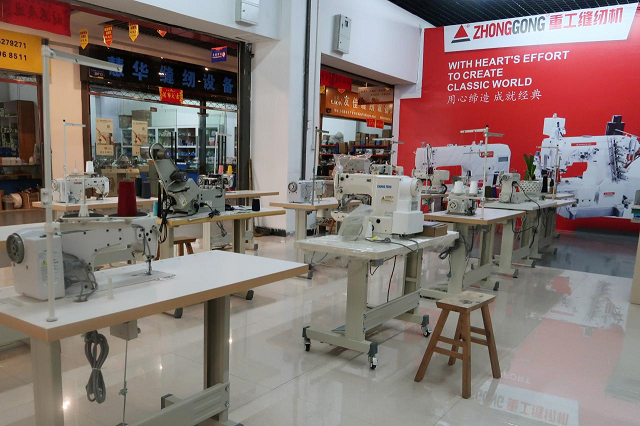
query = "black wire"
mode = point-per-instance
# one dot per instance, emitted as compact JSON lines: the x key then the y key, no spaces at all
{"x":391,"y":276}
{"x":96,"y":388}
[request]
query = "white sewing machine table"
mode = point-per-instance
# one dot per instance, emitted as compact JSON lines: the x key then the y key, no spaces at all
{"x":360,"y":317}
{"x":193,"y":283}
{"x":460,"y":277}
{"x":246,"y":197}
{"x":550,"y":226}
{"x":109,"y":203}
{"x":529,"y":243}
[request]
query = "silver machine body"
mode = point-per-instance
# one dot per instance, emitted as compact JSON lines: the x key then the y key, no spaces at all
{"x":303,"y":191}
{"x":187,"y":198}
{"x":510,"y":191}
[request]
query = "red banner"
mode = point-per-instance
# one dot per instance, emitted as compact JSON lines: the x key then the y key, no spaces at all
{"x":45,"y":15}
{"x":371,"y":122}
{"x":379,"y":124}
{"x":172,"y":96}
{"x":516,"y":91}
{"x":337,"y":81}
{"x":107,"y":34}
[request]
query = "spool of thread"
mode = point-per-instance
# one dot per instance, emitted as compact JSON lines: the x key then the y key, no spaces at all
{"x":146,"y":190}
{"x":88,"y":168}
{"x":473,"y":187}
{"x":138,"y":187}
{"x":155,"y":208}
{"x":220,"y":169}
{"x":127,"y":199}
{"x":458,"y":187}
{"x":255,"y":204}
{"x":229,"y":170}
{"x":545,"y":184}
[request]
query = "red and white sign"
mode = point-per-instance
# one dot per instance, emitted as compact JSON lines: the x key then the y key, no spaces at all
{"x":107,"y":35}
{"x":172,"y":96}
{"x":577,"y":26}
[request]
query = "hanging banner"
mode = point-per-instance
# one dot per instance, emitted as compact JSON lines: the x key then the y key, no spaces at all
{"x":134,"y":31}
{"x":107,"y":34}
{"x":162,"y":33}
{"x":219,"y":54}
{"x":20,"y":52}
{"x":338,"y":81}
{"x":379,"y":124}
{"x":139,"y":135}
{"x":576,"y":26}
{"x":371,"y":122}
{"x":563,"y":103}
{"x":172,"y":96}
{"x":84,"y":37}
{"x":345,"y":104}
{"x":44,"y":15}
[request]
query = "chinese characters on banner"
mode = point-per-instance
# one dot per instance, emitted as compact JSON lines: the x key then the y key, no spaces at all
{"x":107,"y":34}
{"x":84,"y":37}
{"x":46,"y":15}
{"x":172,"y":96}
{"x":499,"y":96}
{"x":134,"y":31}
{"x":346,"y":105}
{"x":144,"y":71}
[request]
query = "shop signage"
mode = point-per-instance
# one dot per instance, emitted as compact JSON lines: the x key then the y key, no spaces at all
{"x":20,"y":52}
{"x":107,"y":34}
{"x":147,"y":73}
{"x":134,"y":31}
{"x":331,"y":79}
{"x":345,"y":104}
{"x":577,"y":26}
{"x":219,"y":54}
{"x":375,"y":95}
{"x":162,"y":33}
{"x":84,"y":37}
{"x":172,"y":96}
{"x":45,"y":15}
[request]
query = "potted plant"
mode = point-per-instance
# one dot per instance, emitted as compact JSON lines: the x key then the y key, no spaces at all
{"x":530,"y":185}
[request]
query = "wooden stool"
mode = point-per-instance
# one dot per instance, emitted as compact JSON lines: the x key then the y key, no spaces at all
{"x":182,"y":243}
{"x":464,"y":303}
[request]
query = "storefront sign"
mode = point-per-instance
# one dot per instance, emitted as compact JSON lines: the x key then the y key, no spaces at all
{"x":375,"y":95}
{"x":45,"y":15}
{"x":599,"y":24}
{"x":147,"y":73}
{"x":20,"y":52}
{"x":84,"y":38}
{"x":219,"y":54}
{"x":107,"y":34}
{"x":172,"y":96}
{"x":345,"y":104}
{"x":134,"y":31}
{"x":330,"y":79}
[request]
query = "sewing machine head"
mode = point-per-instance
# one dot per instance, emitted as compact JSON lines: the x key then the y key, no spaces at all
{"x":71,"y":188}
{"x":395,"y":201}
{"x":80,"y":245}
{"x":510,"y":191}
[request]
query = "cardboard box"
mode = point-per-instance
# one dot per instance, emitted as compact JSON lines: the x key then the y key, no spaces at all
{"x":343,"y":147}
{"x":434,"y":229}
{"x":386,"y":133}
{"x":358,"y":136}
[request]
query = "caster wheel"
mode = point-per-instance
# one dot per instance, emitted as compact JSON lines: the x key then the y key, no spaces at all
{"x":177,"y":313}
{"x":307,"y":345}
{"x":373,"y":362}
{"x":496,"y":287}
{"x":249,"y":295}
{"x":426,"y":332}
{"x":515,"y":274}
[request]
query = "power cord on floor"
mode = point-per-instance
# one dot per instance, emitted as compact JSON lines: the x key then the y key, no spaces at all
{"x":96,"y":349}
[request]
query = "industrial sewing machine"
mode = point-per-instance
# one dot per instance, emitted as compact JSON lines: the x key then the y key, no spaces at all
{"x":395,"y":201}
{"x":80,"y":246}
{"x":510,"y":191}
{"x":607,"y":186}
{"x":463,"y":199}
{"x":468,"y":158}
{"x":433,"y":181}
{"x":302,"y":191}
{"x":71,"y":189}
{"x":185,"y":196}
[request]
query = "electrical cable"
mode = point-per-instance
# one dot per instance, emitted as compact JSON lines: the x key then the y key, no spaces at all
{"x":387,"y":240}
{"x":96,"y":349}
{"x":391,"y":276}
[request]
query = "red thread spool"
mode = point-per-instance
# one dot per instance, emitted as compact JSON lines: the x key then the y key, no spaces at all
{"x":127,"y":199}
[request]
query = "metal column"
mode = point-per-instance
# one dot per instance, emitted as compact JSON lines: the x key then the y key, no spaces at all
{"x":244,"y":115}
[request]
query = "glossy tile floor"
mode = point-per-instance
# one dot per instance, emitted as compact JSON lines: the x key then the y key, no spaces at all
{"x":569,"y":347}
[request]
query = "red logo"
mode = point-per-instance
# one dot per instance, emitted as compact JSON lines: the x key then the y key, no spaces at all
{"x":489,"y":154}
{"x":460,"y":36}
{"x":584,"y":144}
{"x":609,"y":194}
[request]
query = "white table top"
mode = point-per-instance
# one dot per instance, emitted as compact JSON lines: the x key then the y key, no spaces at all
{"x":198,"y":278}
{"x":232,"y":195}
{"x":227,"y":215}
{"x":324,"y":204}
{"x":107,"y":203}
{"x":491,"y":216}
{"x":526,"y":206}
{"x":562,"y":203}
{"x":366,"y":250}
{"x":560,"y":196}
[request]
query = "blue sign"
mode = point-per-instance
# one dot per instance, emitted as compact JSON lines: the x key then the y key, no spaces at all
{"x":219,"y":54}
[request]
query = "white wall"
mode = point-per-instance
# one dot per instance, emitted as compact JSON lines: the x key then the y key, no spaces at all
{"x":347,"y":127}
